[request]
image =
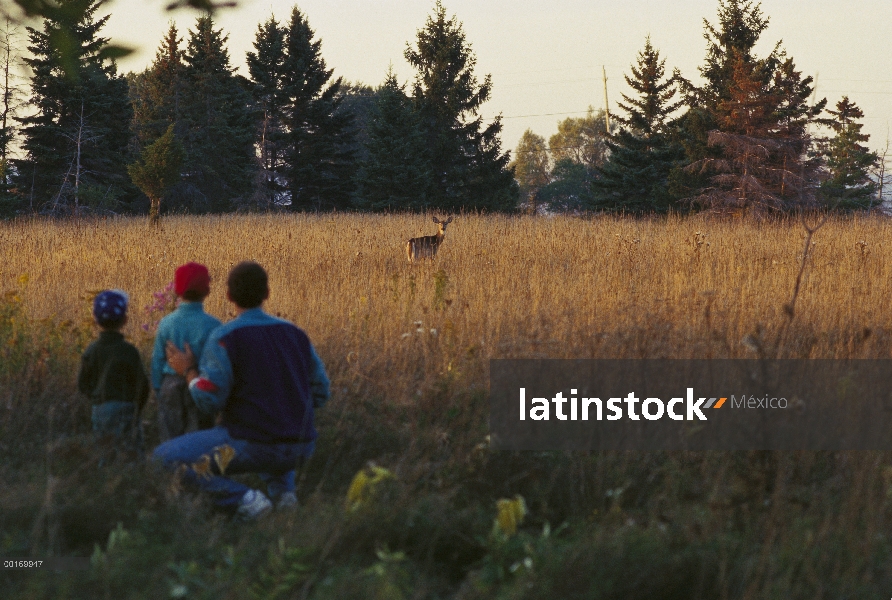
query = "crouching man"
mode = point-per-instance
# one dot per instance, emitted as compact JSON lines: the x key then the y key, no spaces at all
{"x":265,"y":379}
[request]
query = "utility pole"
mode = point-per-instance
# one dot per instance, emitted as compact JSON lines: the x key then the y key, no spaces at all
{"x":606,"y":105}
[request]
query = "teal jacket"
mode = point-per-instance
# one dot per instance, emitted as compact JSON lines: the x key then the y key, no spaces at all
{"x":187,"y":324}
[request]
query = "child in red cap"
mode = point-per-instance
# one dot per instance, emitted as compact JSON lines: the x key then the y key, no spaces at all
{"x":188,"y":324}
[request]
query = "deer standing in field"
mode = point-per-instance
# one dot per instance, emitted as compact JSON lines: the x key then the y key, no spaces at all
{"x":427,"y":246}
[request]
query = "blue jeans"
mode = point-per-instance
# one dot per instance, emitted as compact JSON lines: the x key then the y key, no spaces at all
{"x":275,"y":463}
{"x":119,"y":420}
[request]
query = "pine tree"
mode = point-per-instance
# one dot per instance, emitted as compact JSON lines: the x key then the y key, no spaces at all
{"x":772,"y":159}
{"x":157,"y":94}
{"x":318,"y":161}
{"x":849,"y":185}
{"x":397,"y":174}
{"x":218,"y":134}
{"x":636,"y":176}
{"x":266,"y":66}
{"x":764,"y":164}
{"x":471,"y":170}
{"x":76,"y":141}
{"x":740,"y":25}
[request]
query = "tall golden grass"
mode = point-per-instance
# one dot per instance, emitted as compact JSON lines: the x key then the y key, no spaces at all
{"x":507,"y":286}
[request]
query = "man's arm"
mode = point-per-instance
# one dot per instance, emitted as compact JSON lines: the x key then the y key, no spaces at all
{"x":320,"y":386}
{"x":211,"y":381}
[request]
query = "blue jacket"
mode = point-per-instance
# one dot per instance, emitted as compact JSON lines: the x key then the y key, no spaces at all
{"x":187,"y":324}
{"x":264,"y":376}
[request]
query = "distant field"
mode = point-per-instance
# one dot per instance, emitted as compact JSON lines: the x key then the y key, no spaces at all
{"x":556,"y":287}
{"x":407,"y":347}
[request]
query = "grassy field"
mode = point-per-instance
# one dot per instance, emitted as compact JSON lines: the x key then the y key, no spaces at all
{"x":407,"y":347}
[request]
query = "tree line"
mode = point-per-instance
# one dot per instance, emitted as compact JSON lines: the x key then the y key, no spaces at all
{"x":189,"y":134}
{"x":749,"y":139}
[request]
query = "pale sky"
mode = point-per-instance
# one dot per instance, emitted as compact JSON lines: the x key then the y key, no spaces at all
{"x":545,"y":57}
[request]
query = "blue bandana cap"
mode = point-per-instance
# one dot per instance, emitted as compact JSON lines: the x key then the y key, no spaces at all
{"x":110,"y":307}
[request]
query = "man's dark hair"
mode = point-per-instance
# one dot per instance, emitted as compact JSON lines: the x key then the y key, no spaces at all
{"x":248,"y":284}
{"x":193,"y":296}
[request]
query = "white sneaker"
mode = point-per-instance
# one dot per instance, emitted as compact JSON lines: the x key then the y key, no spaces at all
{"x":254,"y":504}
{"x":287,"y":501}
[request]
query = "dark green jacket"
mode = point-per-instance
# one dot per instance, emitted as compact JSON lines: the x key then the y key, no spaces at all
{"x":112,"y":371}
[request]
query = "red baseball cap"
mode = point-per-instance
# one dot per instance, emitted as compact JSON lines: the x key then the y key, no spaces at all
{"x":192,"y":277}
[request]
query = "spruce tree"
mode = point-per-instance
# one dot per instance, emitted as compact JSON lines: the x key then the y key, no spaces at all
{"x":740,"y":25}
{"x":397,"y":174}
{"x":158,"y":93}
{"x":76,"y":140}
{"x":636,"y":176}
{"x":266,"y":68}
{"x":471,"y":170}
{"x":218,"y":129}
{"x":722,"y":140}
{"x":764,"y":164}
{"x":318,"y":161}
{"x":849,"y":185}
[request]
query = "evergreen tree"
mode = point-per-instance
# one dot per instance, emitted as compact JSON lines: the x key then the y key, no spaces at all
{"x":359,"y":101}
{"x":397,"y":174}
{"x":749,"y":122}
{"x":76,"y":140}
{"x":764,"y":164}
{"x":849,"y":185}
{"x":740,"y":25}
{"x":471,"y":170}
{"x":218,"y":129}
{"x":157,"y":94}
{"x":318,"y":161}
{"x":636,"y":176}
{"x":266,"y":67}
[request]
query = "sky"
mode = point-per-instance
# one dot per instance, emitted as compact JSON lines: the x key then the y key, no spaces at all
{"x":546,"y":57}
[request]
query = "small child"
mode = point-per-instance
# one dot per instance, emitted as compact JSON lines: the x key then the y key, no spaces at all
{"x":188,"y":324}
{"x":112,"y":375}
